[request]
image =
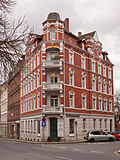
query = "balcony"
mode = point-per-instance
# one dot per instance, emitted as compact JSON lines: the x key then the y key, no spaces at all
{"x":52,"y":64}
{"x":52,"y":86}
{"x":51,"y":110}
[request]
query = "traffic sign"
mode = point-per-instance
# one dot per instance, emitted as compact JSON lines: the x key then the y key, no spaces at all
{"x":43,"y":119}
{"x":43,"y":124}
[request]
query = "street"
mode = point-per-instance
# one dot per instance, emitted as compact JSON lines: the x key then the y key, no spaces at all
{"x":12,"y":150}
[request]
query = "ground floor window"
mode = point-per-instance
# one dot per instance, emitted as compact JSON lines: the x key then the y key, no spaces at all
{"x":94,"y":123}
{"x":71,"y":126}
{"x":84,"y":123}
{"x":38,"y":127}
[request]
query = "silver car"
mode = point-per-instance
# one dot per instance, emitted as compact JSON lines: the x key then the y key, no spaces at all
{"x":93,"y":136}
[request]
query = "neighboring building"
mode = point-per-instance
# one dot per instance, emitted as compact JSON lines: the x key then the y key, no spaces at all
{"x":4,"y":104}
{"x":14,"y":102}
{"x":117,"y":111}
{"x":0,"y":104}
{"x":67,"y":81}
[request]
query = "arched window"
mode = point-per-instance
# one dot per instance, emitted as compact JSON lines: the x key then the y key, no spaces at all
{"x":83,"y":101}
{"x":105,"y":104}
{"x":100,"y":103}
{"x":38,"y":78}
{"x":99,"y":84}
{"x":110,"y":88}
{"x":110,"y":105}
{"x":94,"y":102}
{"x":105,"y":86}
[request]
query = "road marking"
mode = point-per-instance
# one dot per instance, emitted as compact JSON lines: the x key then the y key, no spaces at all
{"x":62,"y":147}
{"x":96,"y":152}
{"x":76,"y":149}
{"x":64,"y":158}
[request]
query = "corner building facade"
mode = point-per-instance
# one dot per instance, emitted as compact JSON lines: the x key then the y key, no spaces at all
{"x":68,"y":80}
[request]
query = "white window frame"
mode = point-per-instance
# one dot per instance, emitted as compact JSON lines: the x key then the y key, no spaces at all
{"x":94,"y":102}
{"x":71,"y":57}
{"x":38,"y":101}
{"x":110,"y":105}
{"x":99,"y":68}
{"x":83,"y":80}
{"x":93,"y":83}
{"x":93,"y":66}
{"x":38,"y":59}
{"x":83,"y":101}
{"x":38,"y":78}
{"x":35,"y":102}
{"x":83,"y":62}
{"x":109,"y":73}
{"x":105,"y":86}
{"x":71,"y":100}
{"x":110,"y":88}
{"x":105,"y":104}
{"x":53,"y":99}
{"x":52,"y":35}
{"x":104,"y":71}
{"x":100,"y":103}
{"x":71,"y":77}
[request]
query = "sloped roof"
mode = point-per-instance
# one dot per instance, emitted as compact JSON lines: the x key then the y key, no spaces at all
{"x":53,"y":16}
{"x":91,"y":34}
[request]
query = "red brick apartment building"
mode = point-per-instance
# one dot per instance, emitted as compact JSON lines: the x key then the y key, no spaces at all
{"x":13,"y":115}
{"x":67,"y":82}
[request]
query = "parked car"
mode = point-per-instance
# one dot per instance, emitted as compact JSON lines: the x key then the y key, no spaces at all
{"x":93,"y":136}
{"x":116,"y":134}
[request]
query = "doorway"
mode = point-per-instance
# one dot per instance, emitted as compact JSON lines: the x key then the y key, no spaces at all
{"x":53,"y":128}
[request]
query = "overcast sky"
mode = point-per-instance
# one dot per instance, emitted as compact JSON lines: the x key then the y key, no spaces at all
{"x":85,"y":16}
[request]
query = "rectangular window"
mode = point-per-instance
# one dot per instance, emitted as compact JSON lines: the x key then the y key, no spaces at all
{"x":34,"y":126}
{"x":100,"y":104}
{"x":54,"y":101}
{"x":38,"y":59}
{"x":94,"y":123}
{"x":100,"y":86}
{"x":38,"y":101}
{"x":83,"y":62}
{"x":71,"y":126}
{"x":104,"y":71}
{"x":71,"y":57}
{"x":31,"y":126}
{"x":34,"y":62}
{"x":83,"y":102}
{"x":38,"y":127}
{"x":71,"y":100}
{"x":94,"y":103}
{"x":110,"y":106}
{"x":93,"y":84}
{"x":54,"y":79}
{"x":84,"y":124}
{"x":109,"y":73}
{"x":93,"y":66}
{"x":84,"y":82}
{"x":71,"y":78}
{"x":99,"y":68}
{"x":31,"y":103}
{"x":105,"y":105}
{"x":34,"y":102}
{"x":105,"y":123}
{"x":52,"y":35}
{"x":100,"y":123}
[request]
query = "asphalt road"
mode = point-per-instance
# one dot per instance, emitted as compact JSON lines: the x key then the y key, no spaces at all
{"x":12,"y":150}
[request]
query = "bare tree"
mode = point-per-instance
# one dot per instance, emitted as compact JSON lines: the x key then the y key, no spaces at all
{"x":12,"y":39}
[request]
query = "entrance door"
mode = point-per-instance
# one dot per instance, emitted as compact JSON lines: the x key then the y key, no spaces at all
{"x":53,"y":128}
{"x":18,"y":130}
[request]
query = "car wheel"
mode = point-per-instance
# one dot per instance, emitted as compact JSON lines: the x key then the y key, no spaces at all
{"x":92,"y":140}
{"x":110,"y":139}
{"x":118,"y":138}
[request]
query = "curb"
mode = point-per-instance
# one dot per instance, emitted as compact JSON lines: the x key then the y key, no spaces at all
{"x":34,"y":142}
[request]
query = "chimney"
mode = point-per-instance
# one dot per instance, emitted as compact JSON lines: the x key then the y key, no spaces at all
{"x":67,"y":24}
{"x":79,"y":34}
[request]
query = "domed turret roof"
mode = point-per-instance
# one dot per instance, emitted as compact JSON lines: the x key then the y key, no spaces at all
{"x":53,"y":16}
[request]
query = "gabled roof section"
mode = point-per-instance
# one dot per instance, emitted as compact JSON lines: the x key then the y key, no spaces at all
{"x":91,"y":34}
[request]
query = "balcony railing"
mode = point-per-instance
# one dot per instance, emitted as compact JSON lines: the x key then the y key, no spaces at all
{"x":52,"y":86}
{"x":52,"y":63}
{"x":49,"y":109}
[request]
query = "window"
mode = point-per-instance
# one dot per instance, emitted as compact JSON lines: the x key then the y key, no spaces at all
{"x":54,"y":79}
{"x":71,"y":57}
{"x":99,"y":84}
{"x":38,"y":127}
{"x":71,"y":99}
{"x":34,"y":62}
{"x":93,"y":66}
{"x":94,"y":102}
{"x":100,"y":103}
{"x":110,"y":105}
{"x":105,"y":123}
{"x":34,"y":102}
{"x":31,"y":103}
{"x":93,"y":83}
{"x":105,"y":86}
{"x":31,"y":82}
{"x":105,"y":104}
{"x":38,"y":101}
{"x":100,"y":123}
{"x":52,"y":35}
{"x":31,"y":66}
{"x":54,"y":101}
{"x":83,"y":62}
{"x":109,"y":73}
{"x":104,"y":71}
{"x":38,"y":78}
{"x":83,"y":101}
{"x":31,"y":126}
{"x":99,"y":68}
{"x":71,"y":77}
{"x":84,"y":123}
{"x":26,"y":105}
{"x":83,"y":80}
{"x":94,"y":123}
{"x":34,"y":126}
{"x":38,"y":59}
{"x":34,"y":81}
{"x":110,"y":88}
{"x":71,"y":126}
